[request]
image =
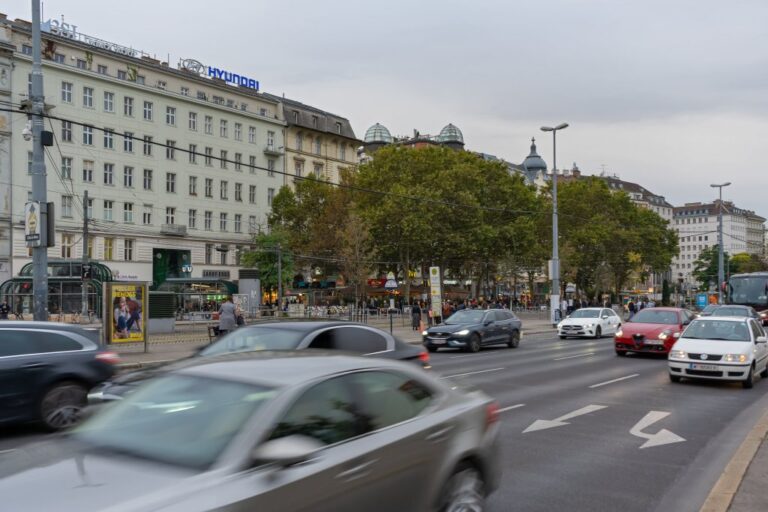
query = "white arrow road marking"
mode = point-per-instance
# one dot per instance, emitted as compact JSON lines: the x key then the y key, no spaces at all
{"x":559,"y":422}
{"x":661,"y":437}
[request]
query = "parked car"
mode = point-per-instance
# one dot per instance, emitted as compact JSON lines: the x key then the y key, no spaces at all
{"x":720,"y":348}
{"x":652,"y":330}
{"x":46,"y":370}
{"x":737,"y":310}
{"x":470,"y":329}
{"x":283,"y":431}
{"x":276,"y":335}
{"x":593,"y":322}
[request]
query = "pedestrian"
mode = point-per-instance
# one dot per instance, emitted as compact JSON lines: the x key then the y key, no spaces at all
{"x":415,"y":316}
{"x":227,"y":317}
{"x":631,"y":308}
{"x":4,"y":310}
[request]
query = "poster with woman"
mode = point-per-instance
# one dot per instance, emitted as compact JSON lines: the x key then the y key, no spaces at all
{"x":126,"y":305}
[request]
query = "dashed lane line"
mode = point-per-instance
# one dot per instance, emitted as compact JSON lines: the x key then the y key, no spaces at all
{"x":588,"y":354}
{"x":509,"y":408}
{"x":614,"y":380}
{"x":472,"y":373}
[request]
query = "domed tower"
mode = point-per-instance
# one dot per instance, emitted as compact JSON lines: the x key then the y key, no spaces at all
{"x":450,"y":136}
{"x":533,"y":162}
{"x":375,"y":137}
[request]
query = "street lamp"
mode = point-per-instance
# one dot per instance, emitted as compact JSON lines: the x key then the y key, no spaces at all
{"x":555,"y":292}
{"x":720,"y":265}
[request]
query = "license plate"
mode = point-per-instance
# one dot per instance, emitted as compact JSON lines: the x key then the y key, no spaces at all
{"x":709,"y":367}
{"x":653,"y":342}
{"x":436,"y":341}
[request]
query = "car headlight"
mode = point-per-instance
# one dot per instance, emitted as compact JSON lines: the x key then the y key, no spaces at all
{"x":560,"y":326}
{"x":666,"y":334}
{"x":589,"y":325}
{"x":424,"y":333}
{"x":735,"y":358}
{"x":462,"y":332}
{"x":678,"y":354}
{"x":619,"y":333}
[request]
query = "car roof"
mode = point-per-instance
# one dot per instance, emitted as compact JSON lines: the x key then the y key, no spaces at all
{"x":283,"y":368}
{"x":724,"y":318}
{"x":735,"y":306}
{"x":304,"y":325}
{"x":664,"y":308}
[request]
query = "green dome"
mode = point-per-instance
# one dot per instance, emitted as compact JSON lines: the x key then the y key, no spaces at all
{"x":450,"y":133}
{"x":378,"y":133}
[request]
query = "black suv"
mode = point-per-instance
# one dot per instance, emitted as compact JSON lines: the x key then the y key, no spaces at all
{"x":46,"y":370}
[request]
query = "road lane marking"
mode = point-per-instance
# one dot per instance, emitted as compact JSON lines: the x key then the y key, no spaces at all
{"x":661,"y":437}
{"x":509,"y":408}
{"x":614,"y":380}
{"x":572,"y":357}
{"x":7,"y":451}
{"x":476,"y":355}
{"x":559,"y":422}
{"x":472,"y":373}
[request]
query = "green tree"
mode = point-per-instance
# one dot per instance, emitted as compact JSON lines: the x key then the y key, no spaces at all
{"x":705,"y":268}
{"x":745,"y":262}
{"x":268,"y":248}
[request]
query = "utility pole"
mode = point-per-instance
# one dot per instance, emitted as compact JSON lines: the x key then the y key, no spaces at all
{"x":39,"y":185}
{"x":720,"y":256}
{"x":86,"y":271}
{"x":279,"y":277}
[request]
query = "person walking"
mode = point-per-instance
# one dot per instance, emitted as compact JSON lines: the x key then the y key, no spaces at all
{"x":415,"y":316}
{"x":631,"y":309}
{"x":4,"y":310}
{"x":227,"y":317}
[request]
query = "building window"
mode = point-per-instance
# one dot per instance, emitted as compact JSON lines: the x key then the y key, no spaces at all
{"x":270,"y":139}
{"x":109,"y":174}
{"x":58,"y":58}
{"x":314,"y":121}
{"x":147,"y":179}
{"x":239,"y":192}
{"x":238,"y":131}
{"x":170,"y":182}
{"x":140,"y":79}
{"x":208,"y":187}
{"x":128,"y":177}
{"x":298,"y":168}
{"x":88,"y":135}
{"x":109,"y":244}
{"x":109,"y":142}
{"x":147,"y":145}
{"x":102,"y":69}
{"x":208,"y":125}
{"x":108,"y":211}
{"x":209,"y":157}
{"x":170,"y":116}
{"x":192,"y":220}
{"x":252,"y":225}
{"x":89,"y":213}
{"x":193,"y":121}
{"x":270,"y":196}
{"x":170,"y":149}
{"x":26,"y":49}
{"x":66,"y":206}
{"x":223,"y":159}
{"x":208,"y":218}
{"x":295,"y":116}
{"x":88,"y":97}
{"x":238,"y":161}
{"x":223,"y":128}
{"x":223,"y":254}
{"x":342,"y":151}
{"x":193,"y":185}
{"x":128,"y":212}
{"x":88,"y":171}
{"x":147,"y":110}
{"x":147,"y":216}
{"x":128,"y":142}
{"x":170,"y":215}
{"x":299,"y":141}
{"x":318,"y":171}
{"x":66,"y":168}
{"x":67,"y":241}
{"x":238,"y":223}
{"x":128,"y":250}
{"x":66,"y":131}
{"x":208,"y":253}
{"x":128,"y":106}
{"x":185,"y":91}
{"x":193,"y":153}
{"x":271,"y":167}
{"x":109,"y":101}
{"x":252,"y":164}
{"x":223,"y":190}
{"x":66,"y":92}
{"x":252,"y":194}
{"x":318,"y":145}
{"x":223,"y":221}
{"x":252,"y":134}
{"x":338,"y":128}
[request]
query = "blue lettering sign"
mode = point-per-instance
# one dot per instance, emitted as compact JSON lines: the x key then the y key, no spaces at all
{"x":233,"y":78}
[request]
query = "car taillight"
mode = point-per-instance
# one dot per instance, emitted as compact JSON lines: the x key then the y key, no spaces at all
{"x":108,"y":357}
{"x":491,"y":414}
{"x":424,"y":358}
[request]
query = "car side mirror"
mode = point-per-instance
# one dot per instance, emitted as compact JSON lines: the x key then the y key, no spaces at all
{"x":761,"y":339}
{"x":488,"y":322}
{"x":286,"y":451}
{"x":686,"y":322}
{"x":604,"y":317}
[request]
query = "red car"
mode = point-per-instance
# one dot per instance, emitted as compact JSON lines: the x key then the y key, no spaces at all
{"x":652,"y":330}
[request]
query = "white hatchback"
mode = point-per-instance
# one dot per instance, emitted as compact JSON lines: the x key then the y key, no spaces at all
{"x":592,"y":322}
{"x":720,"y":348}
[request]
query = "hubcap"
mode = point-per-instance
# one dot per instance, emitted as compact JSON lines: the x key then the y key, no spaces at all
{"x":62,"y":407}
{"x":466,"y":492}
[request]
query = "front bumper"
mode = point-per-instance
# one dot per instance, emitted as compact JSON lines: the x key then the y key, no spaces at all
{"x":714,"y":371}
{"x":647,"y":345}
{"x":442,"y":340}
{"x":576,"y":330}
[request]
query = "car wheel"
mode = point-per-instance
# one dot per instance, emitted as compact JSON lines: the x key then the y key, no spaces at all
{"x":464,"y":491}
{"x":62,"y":405}
{"x":562,"y":337}
{"x":621,"y":353}
{"x":514,"y":339}
{"x":674,"y":378}
{"x":432,"y":349}
{"x":474,"y":343}
{"x":750,"y":382}
{"x":598,"y":332}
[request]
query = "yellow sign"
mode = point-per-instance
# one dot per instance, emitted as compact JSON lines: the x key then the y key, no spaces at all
{"x":126,"y":304}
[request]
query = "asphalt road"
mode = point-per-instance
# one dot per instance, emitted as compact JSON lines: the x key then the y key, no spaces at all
{"x":584,"y":430}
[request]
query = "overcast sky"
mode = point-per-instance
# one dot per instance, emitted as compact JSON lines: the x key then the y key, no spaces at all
{"x":668,"y":94}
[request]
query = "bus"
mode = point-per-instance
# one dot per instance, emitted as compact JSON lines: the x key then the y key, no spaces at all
{"x":750,"y":290}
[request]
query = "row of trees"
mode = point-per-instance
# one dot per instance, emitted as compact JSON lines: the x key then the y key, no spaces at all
{"x":706,"y":266}
{"x":410,"y":208}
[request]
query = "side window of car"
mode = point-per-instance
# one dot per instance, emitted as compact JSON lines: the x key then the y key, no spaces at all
{"x":325,"y":412}
{"x":503,"y":315}
{"x":756,"y":329}
{"x":48,"y":341}
{"x":390,"y":398}
{"x":356,"y":339}
{"x":15,"y":343}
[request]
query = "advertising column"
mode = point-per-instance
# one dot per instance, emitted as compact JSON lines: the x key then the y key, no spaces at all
{"x":435,"y":292}
{"x":124,"y":319}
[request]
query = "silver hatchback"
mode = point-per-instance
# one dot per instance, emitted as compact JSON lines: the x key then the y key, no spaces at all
{"x":289,"y":431}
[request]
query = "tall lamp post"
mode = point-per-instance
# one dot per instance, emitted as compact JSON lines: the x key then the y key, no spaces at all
{"x":720,"y":264}
{"x":555,"y":292}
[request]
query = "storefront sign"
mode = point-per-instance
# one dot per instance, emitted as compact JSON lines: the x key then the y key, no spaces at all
{"x":60,"y":28}
{"x":124,"y":312}
{"x":195,"y":66}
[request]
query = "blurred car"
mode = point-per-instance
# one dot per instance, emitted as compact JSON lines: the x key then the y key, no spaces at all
{"x":287,"y":431}
{"x":593,"y":322}
{"x":720,"y":348}
{"x":652,"y":330}
{"x":707,"y":311}
{"x":46,"y":370}
{"x":470,"y":329}
{"x":736,"y":310}
{"x":276,"y":335}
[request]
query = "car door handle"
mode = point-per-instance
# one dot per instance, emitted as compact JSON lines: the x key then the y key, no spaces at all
{"x":356,"y":472}
{"x":440,"y":434}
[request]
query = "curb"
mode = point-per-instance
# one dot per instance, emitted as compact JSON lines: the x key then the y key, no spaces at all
{"x":722,"y":494}
{"x":141,"y":364}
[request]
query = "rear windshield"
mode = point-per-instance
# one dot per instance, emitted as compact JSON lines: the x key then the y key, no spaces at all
{"x":255,"y":338}
{"x":730,"y":311}
{"x":654,"y":316}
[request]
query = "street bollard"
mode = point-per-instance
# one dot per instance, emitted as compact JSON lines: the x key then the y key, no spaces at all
{"x":390,"y":320}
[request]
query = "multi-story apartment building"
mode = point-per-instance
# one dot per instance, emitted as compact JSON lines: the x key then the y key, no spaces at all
{"x":180,"y":164}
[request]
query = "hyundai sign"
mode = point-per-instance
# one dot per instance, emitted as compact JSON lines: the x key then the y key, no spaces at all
{"x":198,"y":67}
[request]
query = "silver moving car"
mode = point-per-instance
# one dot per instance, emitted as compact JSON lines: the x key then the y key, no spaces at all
{"x":281,"y":431}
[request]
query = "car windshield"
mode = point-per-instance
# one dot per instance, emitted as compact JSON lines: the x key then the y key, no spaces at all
{"x":730,"y":311}
{"x":466,"y":316}
{"x":655,"y":316}
{"x":751,"y":290}
{"x":254,"y":338}
{"x":178,"y":419}
{"x":709,"y":309}
{"x":721,"y":330}
{"x":585,"y":313}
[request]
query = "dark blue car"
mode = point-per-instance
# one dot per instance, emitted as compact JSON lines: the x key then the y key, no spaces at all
{"x":470,"y":329}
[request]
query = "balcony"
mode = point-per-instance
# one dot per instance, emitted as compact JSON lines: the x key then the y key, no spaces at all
{"x":173,"y":230}
{"x":272,"y":150}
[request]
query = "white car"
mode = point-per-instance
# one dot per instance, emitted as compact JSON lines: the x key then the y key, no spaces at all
{"x":593,"y":322}
{"x":720,"y":348}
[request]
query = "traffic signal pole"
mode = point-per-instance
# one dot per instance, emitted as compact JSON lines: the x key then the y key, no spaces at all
{"x":85,"y":271}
